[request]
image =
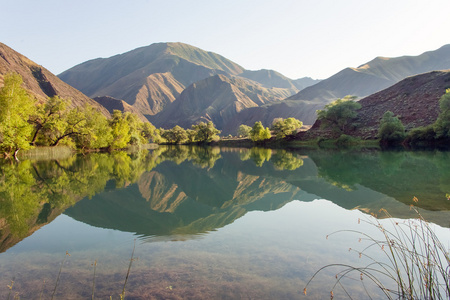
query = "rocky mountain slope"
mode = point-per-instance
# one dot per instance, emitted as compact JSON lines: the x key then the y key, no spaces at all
{"x":112,"y":104}
{"x":369,"y":78}
{"x":375,"y":75}
{"x":40,"y":82}
{"x":151,"y":78}
{"x":218,"y":99}
{"x":414,"y":99}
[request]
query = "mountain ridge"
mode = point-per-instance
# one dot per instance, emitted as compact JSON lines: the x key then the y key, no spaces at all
{"x":40,"y":82}
{"x":152,"y":77}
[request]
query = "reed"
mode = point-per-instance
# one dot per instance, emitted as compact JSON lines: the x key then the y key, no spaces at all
{"x":59,"y":274}
{"x":122,"y":295}
{"x":93,"y":280}
{"x":416,"y":264}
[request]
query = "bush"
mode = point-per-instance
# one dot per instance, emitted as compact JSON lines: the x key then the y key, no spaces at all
{"x":284,"y":127}
{"x":259,"y":133}
{"x":346,"y":140}
{"x":339,"y":114}
{"x":391,"y":129}
{"x":421,"y":135}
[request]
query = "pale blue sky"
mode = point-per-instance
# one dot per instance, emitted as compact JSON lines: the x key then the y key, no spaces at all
{"x":315,"y":38}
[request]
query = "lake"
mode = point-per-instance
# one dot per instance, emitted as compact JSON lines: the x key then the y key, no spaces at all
{"x":207,"y":223}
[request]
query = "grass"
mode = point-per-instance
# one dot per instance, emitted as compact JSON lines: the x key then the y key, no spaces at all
{"x":47,"y":153}
{"x":416,"y":264}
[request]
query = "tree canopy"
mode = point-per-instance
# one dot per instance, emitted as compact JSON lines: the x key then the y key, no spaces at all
{"x":391,"y":129}
{"x":339,"y":114}
{"x":284,"y":127}
{"x":16,"y":108}
{"x":24,"y":123}
{"x":442,"y":125}
{"x":259,"y":133}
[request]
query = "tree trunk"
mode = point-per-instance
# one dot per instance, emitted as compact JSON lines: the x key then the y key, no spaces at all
{"x":15,"y":154}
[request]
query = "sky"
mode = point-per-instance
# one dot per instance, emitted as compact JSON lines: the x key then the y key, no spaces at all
{"x":298,"y":38}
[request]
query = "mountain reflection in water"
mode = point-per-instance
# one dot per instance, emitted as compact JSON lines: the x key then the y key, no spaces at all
{"x":183,"y":192}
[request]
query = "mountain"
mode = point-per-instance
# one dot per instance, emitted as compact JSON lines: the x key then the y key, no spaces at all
{"x":40,"y":82}
{"x":370,"y":78}
{"x":112,"y":104}
{"x":218,"y":99}
{"x":415,"y":100}
{"x":150,"y":78}
{"x":273,"y":79}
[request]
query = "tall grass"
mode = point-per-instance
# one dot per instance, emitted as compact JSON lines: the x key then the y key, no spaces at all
{"x":59,"y":274}
{"x":416,"y":264}
{"x":122,"y":295}
{"x":41,"y":153}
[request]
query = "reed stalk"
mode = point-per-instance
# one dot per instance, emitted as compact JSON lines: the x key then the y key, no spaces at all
{"x":122,"y":295}
{"x":59,"y":274}
{"x":416,"y":264}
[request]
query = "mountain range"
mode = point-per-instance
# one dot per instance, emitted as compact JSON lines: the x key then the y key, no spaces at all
{"x":178,"y":84}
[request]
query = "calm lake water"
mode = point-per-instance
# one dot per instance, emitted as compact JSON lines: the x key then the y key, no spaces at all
{"x":206,"y":223}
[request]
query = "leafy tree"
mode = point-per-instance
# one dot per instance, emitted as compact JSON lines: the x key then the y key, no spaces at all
{"x":147,"y":131}
{"x":442,"y":125}
{"x":192,"y":135}
{"x":135,"y":128}
{"x":205,"y":132}
{"x":16,"y":107}
{"x":244,"y":131}
{"x":49,"y":116}
{"x":176,"y":135}
{"x":259,"y":133}
{"x":74,"y":123}
{"x":339,"y":114}
{"x":284,"y":127}
{"x":120,"y":131}
{"x":391,"y":129}
{"x":158,"y":136}
{"x":96,"y":132}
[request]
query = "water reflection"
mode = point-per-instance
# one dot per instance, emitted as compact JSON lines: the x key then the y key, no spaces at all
{"x":180,"y":192}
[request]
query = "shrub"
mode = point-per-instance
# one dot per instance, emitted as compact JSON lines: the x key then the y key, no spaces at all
{"x":339,"y":114}
{"x":259,"y":133}
{"x":391,"y":129}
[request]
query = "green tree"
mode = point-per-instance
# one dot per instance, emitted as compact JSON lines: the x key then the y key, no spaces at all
{"x":284,"y":127}
{"x":49,"y":116}
{"x":442,"y":125}
{"x":120,"y":131}
{"x":147,"y":131}
{"x":244,"y":131}
{"x":259,"y":133}
{"x":339,"y":114}
{"x":16,"y":107}
{"x":73,"y":125}
{"x":192,"y":135}
{"x":205,"y":132}
{"x":96,"y":132}
{"x":391,"y":129}
{"x":135,"y":128}
{"x":176,"y":135}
